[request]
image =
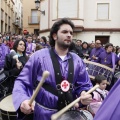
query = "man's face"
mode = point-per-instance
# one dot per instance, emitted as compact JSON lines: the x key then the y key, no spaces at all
{"x":29,"y":39}
{"x":78,"y":43}
{"x":97,"y":44}
{"x":64,"y":36}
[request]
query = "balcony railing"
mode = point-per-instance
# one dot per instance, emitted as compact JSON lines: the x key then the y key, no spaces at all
{"x":16,"y":23}
{"x":33,"y":19}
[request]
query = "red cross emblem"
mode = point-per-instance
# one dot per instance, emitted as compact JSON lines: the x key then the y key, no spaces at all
{"x":65,"y":85}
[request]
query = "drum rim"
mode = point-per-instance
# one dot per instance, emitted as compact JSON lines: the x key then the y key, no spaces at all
{"x":7,"y":112}
{"x":98,"y":64}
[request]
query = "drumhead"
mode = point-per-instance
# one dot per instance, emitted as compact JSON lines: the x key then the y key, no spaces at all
{"x":88,"y":115}
{"x":6,"y":104}
{"x":76,"y":115}
{"x":70,"y":115}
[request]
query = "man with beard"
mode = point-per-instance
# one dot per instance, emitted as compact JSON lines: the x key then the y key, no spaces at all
{"x":68,"y":77}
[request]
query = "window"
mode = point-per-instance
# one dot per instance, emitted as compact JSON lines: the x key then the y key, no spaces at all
{"x":6,"y":17}
{"x":2,"y":12}
{"x":67,"y":5}
{"x":8,"y":20}
{"x":103,"y":11}
{"x":8,"y":28}
{"x":34,"y":16}
{"x":5,"y":27}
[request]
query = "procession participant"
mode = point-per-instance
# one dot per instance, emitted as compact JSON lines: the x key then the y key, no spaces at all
{"x":68,"y":76}
{"x":95,"y":52}
{"x":85,"y":50}
{"x":111,"y":105}
{"x":30,"y":47}
{"x":4,"y":50}
{"x":108,"y":57}
{"x":13,"y":66}
{"x":99,"y":94}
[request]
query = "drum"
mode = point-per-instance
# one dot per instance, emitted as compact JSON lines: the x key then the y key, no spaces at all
{"x":76,"y":115}
{"x":94,"y":69}
{"x":3,"y":85}
{"x":7,"y":109}
{"x":116,"y":76}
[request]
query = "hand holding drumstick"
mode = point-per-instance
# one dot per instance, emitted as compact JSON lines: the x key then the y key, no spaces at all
{"x":82,"y":98}
{"x":27,"y":106}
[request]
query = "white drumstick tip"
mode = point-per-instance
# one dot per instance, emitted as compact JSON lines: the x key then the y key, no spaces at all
{"x":46,"y":74}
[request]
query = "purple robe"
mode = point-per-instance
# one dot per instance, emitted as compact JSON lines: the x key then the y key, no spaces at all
{"x":32,"y":71}
{"x":4,"y":50}
{"x":30,"y":48}
{"x":96,"y":52}
{"x":110,"y":108}
{"x":106,"y":59}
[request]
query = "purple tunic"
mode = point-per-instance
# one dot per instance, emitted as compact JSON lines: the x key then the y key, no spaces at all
{"x":4,"y":50}
{"x":96,"y":52}
{"x":46,"y":102}
{"x":110,"y":108}
{"x":106,"y":59}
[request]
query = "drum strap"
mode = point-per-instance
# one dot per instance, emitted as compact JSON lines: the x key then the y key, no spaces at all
{"x":100,"y":95}
{"x":64,"y":98}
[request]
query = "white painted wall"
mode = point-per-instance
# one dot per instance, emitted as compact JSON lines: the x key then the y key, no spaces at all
{"x":87,"y":11}
{"x":90,"y":14}
{"x":90,"y":36}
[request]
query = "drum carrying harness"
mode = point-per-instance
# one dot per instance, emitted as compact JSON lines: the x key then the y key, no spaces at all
{"x":64,"y":98}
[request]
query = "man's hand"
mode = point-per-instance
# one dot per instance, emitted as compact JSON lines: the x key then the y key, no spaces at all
{"x":86,"y":99}
{"x":26,"y":108}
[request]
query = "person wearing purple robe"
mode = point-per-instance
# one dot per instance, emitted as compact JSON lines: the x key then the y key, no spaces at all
{"x":46,"y":102}
{"x":110,"y":108}
{"x":108,"y":57}
{"x":31,"y":47}
{"x":95,"y":52}
{"x":4,"y":50}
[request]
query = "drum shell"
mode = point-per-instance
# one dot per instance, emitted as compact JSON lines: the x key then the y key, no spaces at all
{"x":94,"y":69}
{"x":8,"y":115}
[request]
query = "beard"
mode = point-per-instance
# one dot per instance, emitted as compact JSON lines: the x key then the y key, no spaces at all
{"x":63,"y":45}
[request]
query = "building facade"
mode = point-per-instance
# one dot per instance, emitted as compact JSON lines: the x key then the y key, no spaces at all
{"x":10,"y":18}
{"x":31,"y":17}
{"x":93,"y":19}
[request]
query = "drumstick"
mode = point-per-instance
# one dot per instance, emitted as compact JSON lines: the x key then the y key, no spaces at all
{"x":58,"y":114}
{"x":44,"y":76}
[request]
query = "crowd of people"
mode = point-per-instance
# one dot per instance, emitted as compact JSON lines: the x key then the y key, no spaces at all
{"x":23,"y":59}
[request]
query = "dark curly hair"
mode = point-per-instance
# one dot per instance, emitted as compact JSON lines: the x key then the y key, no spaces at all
{"x":56,"y":27}
{"x":99,"y":78}
{"x":16,"y":45}
{"x":107,"y":45}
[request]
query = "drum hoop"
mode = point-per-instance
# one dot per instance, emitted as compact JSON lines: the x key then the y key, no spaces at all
{"x":7,"y":114}
{"x":98,"y":64}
